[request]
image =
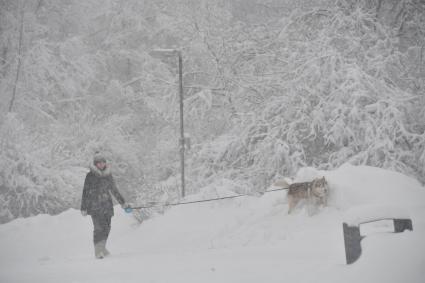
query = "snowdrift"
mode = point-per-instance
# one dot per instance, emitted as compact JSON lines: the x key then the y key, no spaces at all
{"x":249,"y":239}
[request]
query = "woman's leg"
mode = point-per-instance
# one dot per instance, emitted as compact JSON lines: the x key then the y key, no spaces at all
{"x":102,"y":227}
{"x":107,"y":230}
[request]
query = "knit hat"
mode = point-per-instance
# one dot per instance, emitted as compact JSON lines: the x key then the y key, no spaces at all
{"x":98,"y":157}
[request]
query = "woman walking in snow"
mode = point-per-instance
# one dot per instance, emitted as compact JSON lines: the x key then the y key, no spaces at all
{"x":97,"y":202}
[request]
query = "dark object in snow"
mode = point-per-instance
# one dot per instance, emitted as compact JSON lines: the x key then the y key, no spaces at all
{"x":98,"y":187}
{"x":352,"y":236}
{"x":97,"y":202}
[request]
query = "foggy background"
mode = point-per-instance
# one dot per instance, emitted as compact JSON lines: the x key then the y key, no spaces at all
{"x":269,"y":87}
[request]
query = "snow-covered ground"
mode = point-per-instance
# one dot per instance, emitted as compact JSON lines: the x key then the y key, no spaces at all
{"x":249,"y":239}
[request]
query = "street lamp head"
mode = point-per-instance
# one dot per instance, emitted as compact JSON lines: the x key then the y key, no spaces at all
{"x":164,"y":52}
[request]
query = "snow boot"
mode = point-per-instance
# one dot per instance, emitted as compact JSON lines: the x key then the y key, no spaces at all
{"x":102,"y":247}
{"x":105,"y":251}
{"x":98,"y":250}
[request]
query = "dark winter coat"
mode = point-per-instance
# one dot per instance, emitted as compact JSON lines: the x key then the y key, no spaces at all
{"x":98,"y":187}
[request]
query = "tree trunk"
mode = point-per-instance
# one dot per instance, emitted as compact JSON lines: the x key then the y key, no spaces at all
{"x":18,"y":69}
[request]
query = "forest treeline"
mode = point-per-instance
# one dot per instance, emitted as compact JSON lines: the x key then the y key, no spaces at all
{"x":269,"y":87}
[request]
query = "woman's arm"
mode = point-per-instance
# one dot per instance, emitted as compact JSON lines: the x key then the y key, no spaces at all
{"x":84,"y":198}
{"x":115,"y":192}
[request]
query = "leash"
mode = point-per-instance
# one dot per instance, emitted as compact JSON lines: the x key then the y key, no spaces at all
{"x":199,"y":201}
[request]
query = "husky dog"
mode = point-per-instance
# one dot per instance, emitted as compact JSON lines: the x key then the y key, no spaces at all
{"x":316,"y":190}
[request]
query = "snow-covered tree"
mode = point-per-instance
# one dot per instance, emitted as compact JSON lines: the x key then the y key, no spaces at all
{"x":269,"y":86}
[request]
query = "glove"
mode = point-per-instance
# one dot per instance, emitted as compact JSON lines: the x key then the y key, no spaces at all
{"x":83,"y":213}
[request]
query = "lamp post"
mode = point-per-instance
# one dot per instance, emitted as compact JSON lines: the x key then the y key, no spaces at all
{"x":173,"y":52}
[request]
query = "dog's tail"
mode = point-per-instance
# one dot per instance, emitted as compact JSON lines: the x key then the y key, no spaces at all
{"x":284,"y":184}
